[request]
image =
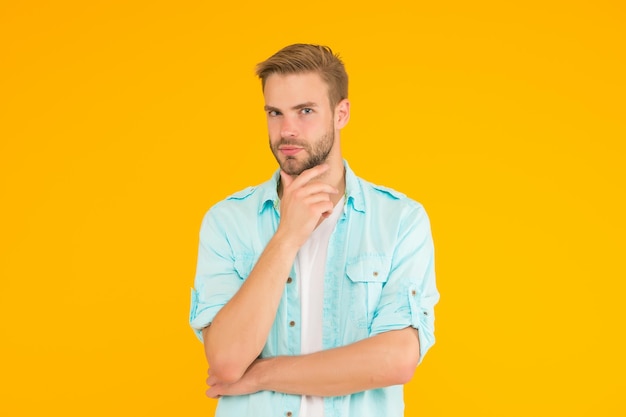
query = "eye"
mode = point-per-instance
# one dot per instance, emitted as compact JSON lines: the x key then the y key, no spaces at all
{"x":273,"y":113}
{"x":307,"y":110}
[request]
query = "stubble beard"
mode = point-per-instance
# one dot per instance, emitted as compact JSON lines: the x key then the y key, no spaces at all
{"x":318,"y":153}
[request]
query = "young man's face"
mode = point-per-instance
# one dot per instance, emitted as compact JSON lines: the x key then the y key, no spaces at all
{"x":300,"y":121}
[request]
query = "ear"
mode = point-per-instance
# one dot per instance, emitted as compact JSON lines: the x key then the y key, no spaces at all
{"x":342,"y":113}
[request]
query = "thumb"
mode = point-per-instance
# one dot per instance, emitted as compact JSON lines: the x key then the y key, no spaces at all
{"x":285,"y":179}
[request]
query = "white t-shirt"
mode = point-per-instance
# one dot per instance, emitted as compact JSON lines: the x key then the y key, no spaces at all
{"x":310,"y":267}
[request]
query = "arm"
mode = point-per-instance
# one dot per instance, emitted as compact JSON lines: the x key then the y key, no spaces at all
{"x":388,"y":357}
{"x":382,"y":360}
{"x":239,"y":331}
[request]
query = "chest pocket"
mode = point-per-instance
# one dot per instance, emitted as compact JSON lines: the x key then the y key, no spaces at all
{"x":366,"y":277}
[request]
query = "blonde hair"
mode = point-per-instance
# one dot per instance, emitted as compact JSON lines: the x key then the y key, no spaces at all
{"x":302,"y":58}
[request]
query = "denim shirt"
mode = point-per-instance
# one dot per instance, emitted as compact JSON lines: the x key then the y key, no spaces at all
{"x":379,"y":277}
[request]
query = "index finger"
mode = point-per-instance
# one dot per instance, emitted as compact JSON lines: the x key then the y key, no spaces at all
{"x":309,"y":174}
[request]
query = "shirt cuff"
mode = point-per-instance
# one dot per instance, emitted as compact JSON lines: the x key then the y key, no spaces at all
{"x":200,"y":314}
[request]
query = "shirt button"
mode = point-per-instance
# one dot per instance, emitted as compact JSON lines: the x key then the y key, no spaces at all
{"x":288,"y":413}
{"x":292,"y":323}
{"x":413,"y":292}
{"x":375,"y":273}
{"x":289,"y":280}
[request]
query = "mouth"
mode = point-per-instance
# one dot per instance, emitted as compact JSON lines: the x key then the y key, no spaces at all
{"x":289,"y":150}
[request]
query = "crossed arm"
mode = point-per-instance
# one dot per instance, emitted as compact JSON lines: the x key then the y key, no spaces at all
{"x":382,"y":360}
{"x":239,"y":331}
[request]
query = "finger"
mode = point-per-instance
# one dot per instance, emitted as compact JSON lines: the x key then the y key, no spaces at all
{"x":319,"y":209}
{"x":318,"y":198}
{"x":324,"y":208}
{"x":318,"y":187}
{"x":285,"y":179}
{"x":213,"y":392}
{"x":309,"y":174}
{"x":210,"y":380}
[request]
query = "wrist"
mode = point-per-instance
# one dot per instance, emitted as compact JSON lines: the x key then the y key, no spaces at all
{"x":286,"y":241}
{"x":262,"y":377}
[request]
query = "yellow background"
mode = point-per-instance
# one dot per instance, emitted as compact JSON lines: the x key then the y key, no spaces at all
{"x":121,"y":123}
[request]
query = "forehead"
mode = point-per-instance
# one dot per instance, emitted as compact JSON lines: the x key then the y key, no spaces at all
{"x":292,"y":89}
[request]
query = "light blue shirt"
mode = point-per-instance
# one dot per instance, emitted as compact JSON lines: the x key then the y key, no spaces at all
{"x":379,"y":277}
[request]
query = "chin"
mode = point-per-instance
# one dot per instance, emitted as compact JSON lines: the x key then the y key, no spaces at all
{"x":293,"y":166}
{"x":291,"y":169}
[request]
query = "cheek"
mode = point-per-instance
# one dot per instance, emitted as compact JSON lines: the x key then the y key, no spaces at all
{"x":277,"y":122}
{"x":273,"y":128}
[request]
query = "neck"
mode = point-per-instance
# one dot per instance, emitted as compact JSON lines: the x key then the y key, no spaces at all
{"x":340,"y":184}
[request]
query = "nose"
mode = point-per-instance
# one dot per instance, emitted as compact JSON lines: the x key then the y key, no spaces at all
{"x":288,"y":128}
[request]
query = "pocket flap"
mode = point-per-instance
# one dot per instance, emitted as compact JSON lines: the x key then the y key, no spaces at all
{"x":244,"y":264}
{"x":370,"y":269}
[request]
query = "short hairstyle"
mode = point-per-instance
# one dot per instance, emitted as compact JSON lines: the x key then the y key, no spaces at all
{"x":302,"y":58}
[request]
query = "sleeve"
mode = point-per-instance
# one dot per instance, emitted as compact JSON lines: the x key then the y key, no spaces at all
{"x":216,"y":279}
{"x":409,"y":296}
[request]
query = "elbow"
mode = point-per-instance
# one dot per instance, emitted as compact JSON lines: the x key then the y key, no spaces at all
{"x":225,"y":373}
{"x":403,"y":368}
{"x":224,"y":365}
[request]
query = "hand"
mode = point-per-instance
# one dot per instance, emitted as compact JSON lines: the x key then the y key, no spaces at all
{"x":304,"y":202}
{"x":248,"y":384}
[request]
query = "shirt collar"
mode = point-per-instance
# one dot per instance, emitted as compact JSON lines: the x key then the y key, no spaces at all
{"x":269,"y":190}
{"x":354,"y":192}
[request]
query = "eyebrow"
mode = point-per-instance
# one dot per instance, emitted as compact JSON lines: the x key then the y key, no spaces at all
{"x":296,"y":107}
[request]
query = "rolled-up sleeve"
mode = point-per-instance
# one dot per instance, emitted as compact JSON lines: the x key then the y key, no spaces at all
{"x":216,"y":279}
{"x":409,"y":296}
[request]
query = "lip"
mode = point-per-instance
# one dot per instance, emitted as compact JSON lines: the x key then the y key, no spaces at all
{"x":290,"y":150}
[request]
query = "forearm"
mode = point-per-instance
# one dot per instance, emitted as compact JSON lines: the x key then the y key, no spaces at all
{"x":386,"y":359}
{"x":239,"y":331}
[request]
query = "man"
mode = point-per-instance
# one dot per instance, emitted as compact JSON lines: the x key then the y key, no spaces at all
{"x":314,"y":292}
